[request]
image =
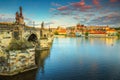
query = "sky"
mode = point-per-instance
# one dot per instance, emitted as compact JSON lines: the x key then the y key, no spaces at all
{"x":63,"y":13}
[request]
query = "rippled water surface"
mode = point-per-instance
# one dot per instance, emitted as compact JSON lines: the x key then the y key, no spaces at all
{"x":77,"y":59}
{"x":81,"y":59}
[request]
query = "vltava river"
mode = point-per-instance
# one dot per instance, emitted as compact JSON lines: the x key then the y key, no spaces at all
{"x":81,"y":59}
{"x":77,"y":59}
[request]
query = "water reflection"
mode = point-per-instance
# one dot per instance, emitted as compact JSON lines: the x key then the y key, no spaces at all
{"x":41,"y":60}
{"x":82,"y":59}
{"x":77,"y":59}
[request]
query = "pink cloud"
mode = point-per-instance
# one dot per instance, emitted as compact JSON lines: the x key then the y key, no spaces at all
{"x":87,"y":7}
{"x":81,"y":5}
{"x":113,"y":1}
{"x":62,"y":8}
{"x":96,"y":2}
{"x":78,"y":4}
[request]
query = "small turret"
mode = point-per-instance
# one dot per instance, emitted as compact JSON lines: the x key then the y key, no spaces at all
{"x":42,"y":25}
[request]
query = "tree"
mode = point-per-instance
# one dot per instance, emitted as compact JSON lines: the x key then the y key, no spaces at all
{"x":56,"y":33}
{"x":86,"y":34}
{"x":118,"y":35}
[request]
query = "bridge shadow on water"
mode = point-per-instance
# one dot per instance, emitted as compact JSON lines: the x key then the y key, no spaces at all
{"x":30,"y":75}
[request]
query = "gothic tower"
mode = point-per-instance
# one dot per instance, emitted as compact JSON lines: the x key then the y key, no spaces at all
{"x":21,"y":12}
{"x":19,"y":17}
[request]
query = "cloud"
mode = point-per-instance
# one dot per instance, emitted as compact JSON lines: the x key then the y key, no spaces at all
{"x":52,"y":9}
{"x":55,"y":4}
{"x":49,"y":23}
{"x":76,"y":17}
{"x":6,"y":18}
{"x":11,"y":18}
{"x":31,"y":23}
{"x":74,"y":6}
{"x":78,"y":4}
{"x":2,"y":15}
{"x":81,"y":6}
{"x":88,"y":13}
{"x":86,"y":7}
{"x":27,"y":19}
{"x":113,"y":1}
{"x":62,"y":8}
{"x":110,"y":19}
{"x":112,"y":16}
{"x":96,"y":2}
{"x":65,"y":13}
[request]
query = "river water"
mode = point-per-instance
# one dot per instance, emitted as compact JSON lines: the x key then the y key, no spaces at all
{"x":82,"y":59}
{"x":77,"y":59}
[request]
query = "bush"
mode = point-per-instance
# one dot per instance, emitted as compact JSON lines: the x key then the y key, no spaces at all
{"x":118,"y":35}
{"x":56,"y":33}
{"x":86,"y":34}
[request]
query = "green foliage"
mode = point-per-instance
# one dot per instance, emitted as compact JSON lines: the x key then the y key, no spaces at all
{"x":56,"y":33}
{"x":118,"y":35}
{"x":19,"y":45}
{"x":117,"y":28}
{"x":86,"y":34}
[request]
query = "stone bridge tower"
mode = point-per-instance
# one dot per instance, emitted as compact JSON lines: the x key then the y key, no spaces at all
{"x":19,"y":17}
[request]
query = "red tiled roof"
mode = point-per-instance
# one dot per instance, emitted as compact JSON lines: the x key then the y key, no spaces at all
{"x":62,"y":31}
{"x":97,"y":32}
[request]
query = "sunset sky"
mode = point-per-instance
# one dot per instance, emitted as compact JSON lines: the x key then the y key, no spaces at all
{"x":64,"y":13}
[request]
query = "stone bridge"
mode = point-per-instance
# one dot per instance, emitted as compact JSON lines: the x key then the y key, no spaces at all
{"x":19,"y":32}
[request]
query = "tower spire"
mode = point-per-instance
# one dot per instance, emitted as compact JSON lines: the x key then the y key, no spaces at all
{"x":42,"y":25}
{"x":21,"y":15}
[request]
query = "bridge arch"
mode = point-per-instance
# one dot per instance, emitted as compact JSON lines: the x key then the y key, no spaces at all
{"x":32,"y":37}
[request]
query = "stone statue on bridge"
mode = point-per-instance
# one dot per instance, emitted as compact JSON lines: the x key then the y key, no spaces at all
{"x":19,"y":17}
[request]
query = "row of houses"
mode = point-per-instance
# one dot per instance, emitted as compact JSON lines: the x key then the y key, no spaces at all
{"x":81,"y":30}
